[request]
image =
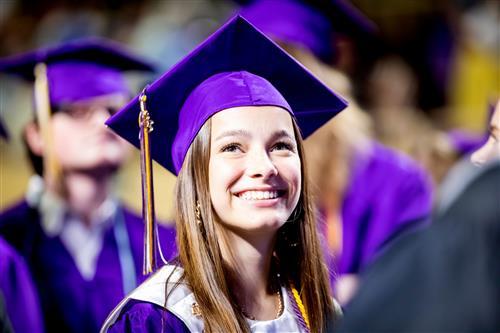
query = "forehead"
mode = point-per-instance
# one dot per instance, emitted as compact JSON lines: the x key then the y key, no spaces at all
{"x":117,"y":99}
{"x":252,"y":119}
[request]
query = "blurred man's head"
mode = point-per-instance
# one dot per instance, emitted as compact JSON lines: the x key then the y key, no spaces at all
{"x":83,"y":82}
{"x":81,"y":142}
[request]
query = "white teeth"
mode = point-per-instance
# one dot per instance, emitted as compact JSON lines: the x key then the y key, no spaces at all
{"x":258,"y":195}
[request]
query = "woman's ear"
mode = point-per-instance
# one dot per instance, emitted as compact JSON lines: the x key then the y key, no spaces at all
{"x":33,"y":138}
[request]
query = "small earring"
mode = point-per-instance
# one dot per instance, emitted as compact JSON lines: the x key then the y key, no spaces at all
{"x":197,"y":213}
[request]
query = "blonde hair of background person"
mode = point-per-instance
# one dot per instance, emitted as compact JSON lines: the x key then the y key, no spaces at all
{"x":330,"y":152}
{"x":330,"y":149}
{"x":401,"y":125}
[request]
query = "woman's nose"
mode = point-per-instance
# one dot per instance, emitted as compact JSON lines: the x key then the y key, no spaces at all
{"x":260,"y":165}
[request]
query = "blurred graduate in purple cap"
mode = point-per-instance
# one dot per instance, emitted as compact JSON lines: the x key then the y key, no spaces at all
{"x":368,"y":193}
{"x":19,"y":304}
{"x":228,"y":121}
{"x":83,"y":248}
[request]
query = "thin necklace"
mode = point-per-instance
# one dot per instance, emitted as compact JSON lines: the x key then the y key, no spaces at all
{"x":278,"y":312}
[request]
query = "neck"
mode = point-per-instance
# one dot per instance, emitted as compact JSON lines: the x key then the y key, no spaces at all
{"x":84,"y":193}
{"x":250,"y":263}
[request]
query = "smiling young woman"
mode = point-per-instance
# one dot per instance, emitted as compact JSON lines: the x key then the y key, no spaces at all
{"x":249,"y":253}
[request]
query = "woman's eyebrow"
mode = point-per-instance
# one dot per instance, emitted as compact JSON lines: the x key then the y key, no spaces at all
{"x":239,"y":132}
{"x":282,"y":134}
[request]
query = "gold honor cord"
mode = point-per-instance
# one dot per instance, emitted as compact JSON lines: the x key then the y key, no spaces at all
{"x":151,"y":246}
{"x":42,"y":104}
{"x":301,"y":306}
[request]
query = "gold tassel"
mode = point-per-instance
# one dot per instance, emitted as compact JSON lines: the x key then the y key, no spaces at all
{"x":51,"y":167}
{"x":151,"y":246}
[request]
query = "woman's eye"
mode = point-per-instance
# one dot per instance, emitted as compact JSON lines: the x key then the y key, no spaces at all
{"x":284,"y":146}
{"x":231,"y":148}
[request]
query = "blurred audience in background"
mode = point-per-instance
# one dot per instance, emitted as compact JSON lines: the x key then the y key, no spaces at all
{"x":419,"y":83}
{"x":392,"y":93}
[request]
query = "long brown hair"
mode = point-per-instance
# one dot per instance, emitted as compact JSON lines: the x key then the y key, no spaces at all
{"x":297,"y":247}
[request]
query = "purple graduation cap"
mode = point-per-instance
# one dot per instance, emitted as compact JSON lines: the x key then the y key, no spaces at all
{"x":236,"y":66}
{"x":311,"y":24}
{"x":94,"y":63}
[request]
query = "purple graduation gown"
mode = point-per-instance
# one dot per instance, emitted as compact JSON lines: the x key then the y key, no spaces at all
{"x":388,"y":194}
{"x":69,"y":302}
{"x":18,"y":292}
{"x":147,"y":309}
{"x":142,"y":317}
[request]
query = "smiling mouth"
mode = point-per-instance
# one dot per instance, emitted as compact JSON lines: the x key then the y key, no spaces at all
{"x":261,"y":195}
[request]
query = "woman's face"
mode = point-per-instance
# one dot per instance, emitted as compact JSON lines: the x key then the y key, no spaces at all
{"x":491,"y":149}
{"x":254,"y":169}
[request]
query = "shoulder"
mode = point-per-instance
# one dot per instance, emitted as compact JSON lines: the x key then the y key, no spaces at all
{"x":17,"y":213}
{"x":399,"y":175}
{"x":141,"y":316}
{"x":9,"y":255}
{"x":167,"y":281}
{"x":13,"y":268}
{"x":132,"y":219}
{"x":386,"y":158}
{"x":20,"y":224}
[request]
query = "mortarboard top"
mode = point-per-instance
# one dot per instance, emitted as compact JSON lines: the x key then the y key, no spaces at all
{"x":311,"y":24}
{"x":236,"y":53}
{"x":78,"y":70}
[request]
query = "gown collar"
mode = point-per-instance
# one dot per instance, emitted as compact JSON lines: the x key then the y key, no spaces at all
{"x":181,"y":303}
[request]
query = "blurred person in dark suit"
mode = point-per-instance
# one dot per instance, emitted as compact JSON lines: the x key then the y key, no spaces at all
{"x":445,"y":278}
